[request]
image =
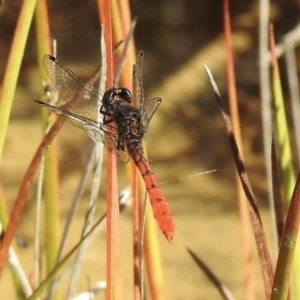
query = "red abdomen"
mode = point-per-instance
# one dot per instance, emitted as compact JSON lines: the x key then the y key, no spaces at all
{"x":161,"y":209}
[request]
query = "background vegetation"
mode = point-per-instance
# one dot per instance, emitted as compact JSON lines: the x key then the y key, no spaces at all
{"x":186,"y":135}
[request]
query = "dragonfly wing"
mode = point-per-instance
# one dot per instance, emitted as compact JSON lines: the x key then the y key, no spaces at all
{"x":91,"y":127}
{"x":146,"y":107}
{"x":81,"y":106}
{"x":81,"y":98}
{"x":106,"y":134}
{"x":112,"y":145}
{"x":113,"y":142}
{"x":138,"y":91}
{"x":151,"y":106}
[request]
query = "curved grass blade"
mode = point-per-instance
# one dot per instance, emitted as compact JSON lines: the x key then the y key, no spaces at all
{"x":45,"y":283}
{"x":261,"y":243}
{"x":7,"y":92}
{"x":278,"y":200}
{"x":224,"y":291}
{"x":287,"y":247}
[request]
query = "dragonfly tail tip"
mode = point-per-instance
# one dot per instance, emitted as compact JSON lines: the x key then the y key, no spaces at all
{"x":170,"y":238}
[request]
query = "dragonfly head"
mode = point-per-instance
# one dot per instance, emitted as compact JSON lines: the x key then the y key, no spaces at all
{"x":116,"y":94}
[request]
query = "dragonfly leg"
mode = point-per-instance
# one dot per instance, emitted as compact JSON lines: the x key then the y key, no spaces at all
{"x":105,"y":121}
{"x":105,"y":112}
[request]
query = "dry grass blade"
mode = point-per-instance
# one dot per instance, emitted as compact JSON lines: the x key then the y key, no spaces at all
{"x":140,"y":270}
{"x":114,"y":274}
{"x":98,"y":150}
{"x":265,"y":88}
{"x":235,"y":150}
{"x":118,"y":71}
{"x":87,"y":224}
{"x":12,"y":69}
{"x":7,"y":92}
{"x":75,"y":202}
{"x":72,"y":211}
{"x":50,"y":224}
{"x":37,"y":227}
{"x":285,"y":148}
{"x":90,"y":294}
{"x":293,"y":37}
{"x":48,"y":168}
{"x":287,"y":247}
{"x":25,"y":186}
{"x":278,"y":200}
{"x":91,"y":235}
{"x":292,"y":72}
{"x":24,"y":189}
{"x":66,"y":258}
{"x":282,"y":131}
{"x":245,"y":223}
{"x":259,"y":234}
{"x":17,"y":269}
{"x":19,"y":272}
{"x":224,"y":291}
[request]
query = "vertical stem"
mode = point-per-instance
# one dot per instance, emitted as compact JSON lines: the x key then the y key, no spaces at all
{"x":114,"y":284}
{"x":243,"y":206}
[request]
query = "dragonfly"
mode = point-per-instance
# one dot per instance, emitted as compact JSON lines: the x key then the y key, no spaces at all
{"x":121,"y":129}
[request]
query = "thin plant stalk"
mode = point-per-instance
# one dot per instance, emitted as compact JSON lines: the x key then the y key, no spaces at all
{"x":114,"y":267}
{"x":12,"y":69}
{"x":287,"y":249}
{"x":122,"y":59}
{"x":9,"y":85}
{"x":37,"y":228}
{"x":243,"y":209}
{"x":71,"y":214}
{"x":98,"y":155}
{"x":288,"y":175}
{"x":151,"y":244}
{"x":51,"y":177}
{"x":292,"y":76}
{"x":24,"y":189}
{"x":139,"y":255}
{"x":122,"y":26}
{"x":286,"y":164}
{"x":260,"y":238}
{"x":153,"y":255}
{"x":278,"y":199}
{"x":265,"y":96}
{"x":25,"y":186}
{"x":221,"y":287}
{"x":7,"y":92}
{"x":123,"y":29}
{"x":136,"y":234}
{"x":87,"y":224}
{"x":19,"y":273}
{"x":3,"y":208}
{"x":51,"y":276}
{"x":21,"y":281}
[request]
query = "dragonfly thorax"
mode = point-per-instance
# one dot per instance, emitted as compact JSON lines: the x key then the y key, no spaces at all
{"x":116,"y":94}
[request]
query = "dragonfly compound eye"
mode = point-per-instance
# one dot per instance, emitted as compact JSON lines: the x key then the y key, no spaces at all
{"x":109,"y":97}
{"x":124,"y":94}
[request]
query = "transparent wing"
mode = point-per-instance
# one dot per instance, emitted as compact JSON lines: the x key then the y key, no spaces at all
{"x":80,"y":106}
{"x":96,"y":130}
{"x":146,"y":107}
{"x":138,"y":91}
{"x":113,"y":142}
{"x":151,"y":106}
{"x":78,"y":96}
